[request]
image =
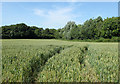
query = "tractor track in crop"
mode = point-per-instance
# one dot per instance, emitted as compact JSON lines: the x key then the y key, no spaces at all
{"x":33,"y":72}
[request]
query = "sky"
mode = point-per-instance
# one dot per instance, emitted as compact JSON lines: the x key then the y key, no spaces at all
{"x":55,"y":14}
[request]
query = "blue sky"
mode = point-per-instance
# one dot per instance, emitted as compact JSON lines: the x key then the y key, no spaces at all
{"x":55,"y":14}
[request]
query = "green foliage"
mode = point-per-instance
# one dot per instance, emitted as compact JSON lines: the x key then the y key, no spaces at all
{"x":38,"y":32}
{"x":68,"y":31}
{"x":63,"y":67}
{"x":22,"y":31}
{"x":91,"y":30}
{"x":104,"y":59}
{"x":110,"y":27}
{"x":23,"y":59}
{"x":36,"y":64}
{"x":43,"y":60}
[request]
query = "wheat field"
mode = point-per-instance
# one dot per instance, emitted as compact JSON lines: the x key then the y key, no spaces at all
{"x":45,"y":60}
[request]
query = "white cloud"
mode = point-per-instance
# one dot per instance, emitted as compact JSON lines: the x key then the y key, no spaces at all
{"x":56,"y":17}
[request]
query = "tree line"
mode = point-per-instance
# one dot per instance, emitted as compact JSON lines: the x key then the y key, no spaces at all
{"x":93,"y":29}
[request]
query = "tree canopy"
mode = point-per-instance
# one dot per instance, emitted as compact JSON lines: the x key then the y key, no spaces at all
{"x":91,"y":29}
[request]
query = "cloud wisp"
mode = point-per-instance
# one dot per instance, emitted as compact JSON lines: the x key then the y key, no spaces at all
{"x":56,"y":16}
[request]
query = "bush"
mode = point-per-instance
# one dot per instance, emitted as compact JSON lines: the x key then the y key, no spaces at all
{"x":115,"y":39}
{"x":100,"y":39}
